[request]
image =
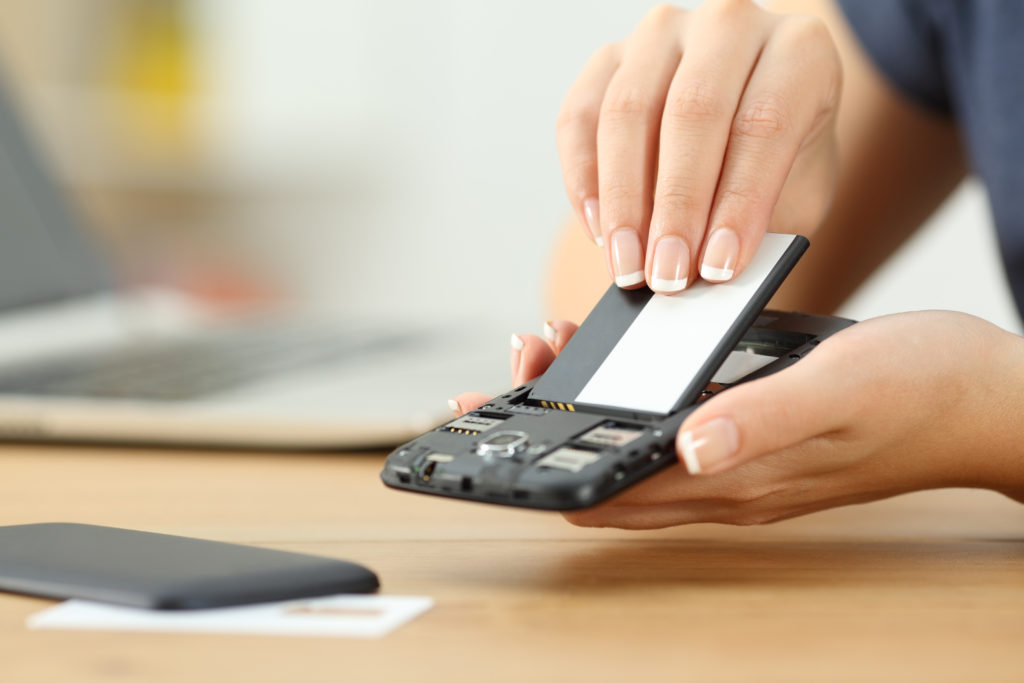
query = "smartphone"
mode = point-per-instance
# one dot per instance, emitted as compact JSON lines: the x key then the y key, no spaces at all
{"x":159,"y":571}
{"x":605,"y":414}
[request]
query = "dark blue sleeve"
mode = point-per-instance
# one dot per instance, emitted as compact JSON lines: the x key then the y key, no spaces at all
{"x":902,"y":38}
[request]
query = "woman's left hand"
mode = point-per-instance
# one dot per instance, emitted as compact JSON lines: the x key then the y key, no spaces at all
{"x":891,"y":405}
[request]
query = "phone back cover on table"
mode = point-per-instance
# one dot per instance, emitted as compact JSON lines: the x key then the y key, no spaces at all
{"x":158,"y":571}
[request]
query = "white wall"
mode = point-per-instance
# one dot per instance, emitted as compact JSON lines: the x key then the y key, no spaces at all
{"x":429,"y":127}
{"x":951,"y":263}
{"x":437,"y":121}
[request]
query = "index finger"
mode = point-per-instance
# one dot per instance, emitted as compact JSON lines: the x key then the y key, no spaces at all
{"x":790,"y":100}
{"x":577,"y":137}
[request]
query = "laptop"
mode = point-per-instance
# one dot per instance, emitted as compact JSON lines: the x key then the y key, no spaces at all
{"x":82,"y":360}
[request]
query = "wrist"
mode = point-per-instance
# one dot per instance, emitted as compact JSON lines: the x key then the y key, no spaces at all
{"x":996,"y":444}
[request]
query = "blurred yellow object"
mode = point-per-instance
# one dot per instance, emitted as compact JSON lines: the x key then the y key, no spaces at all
{"x":150,"y":59}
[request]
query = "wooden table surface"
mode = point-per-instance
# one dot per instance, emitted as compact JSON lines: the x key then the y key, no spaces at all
{"x":922,"y":587}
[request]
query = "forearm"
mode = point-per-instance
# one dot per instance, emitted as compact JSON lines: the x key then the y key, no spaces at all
{"x":897,"y":163}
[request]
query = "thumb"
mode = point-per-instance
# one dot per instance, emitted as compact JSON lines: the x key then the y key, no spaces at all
{"x":761,"y":417}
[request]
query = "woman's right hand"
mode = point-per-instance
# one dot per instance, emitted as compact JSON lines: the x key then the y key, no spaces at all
{"x":682,"y":145}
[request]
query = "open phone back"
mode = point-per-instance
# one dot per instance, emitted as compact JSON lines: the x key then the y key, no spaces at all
{"x":605,"y":414}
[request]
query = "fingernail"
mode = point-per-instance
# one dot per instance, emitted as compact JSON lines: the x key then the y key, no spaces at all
{"x":517,"y":347}
{"x":454,"y":405}
{"x":627,"y":259}
{"x":671,"y":265}
{"x":720,"y":256}
{"x":550,"y":333}
{"x":709,"y":444}
{"x":592,"y":214}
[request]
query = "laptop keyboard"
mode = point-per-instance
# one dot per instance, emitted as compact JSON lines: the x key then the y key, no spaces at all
{"x":191,"y":368}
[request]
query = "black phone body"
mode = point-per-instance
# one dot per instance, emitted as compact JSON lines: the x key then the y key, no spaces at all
{"x":605,"y":413}
{"x":525,"y":452}
{"x":160,"y":571}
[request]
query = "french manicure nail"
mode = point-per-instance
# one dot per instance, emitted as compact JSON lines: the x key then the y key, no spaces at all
{"x":550,"y":333}
{"x":454,"y":405}
{"x":592,"y":214}
{"x":627,"y":258}
{"x":671,"y":265}
{"x":720,"y":256}
{"x":517,"y":347}
{"x":709,"y":444}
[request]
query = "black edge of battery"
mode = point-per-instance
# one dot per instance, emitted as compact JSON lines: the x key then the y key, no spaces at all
{"x":593,"y":341}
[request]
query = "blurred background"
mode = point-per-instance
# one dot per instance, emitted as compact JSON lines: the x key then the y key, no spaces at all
{"x":359,"y":155}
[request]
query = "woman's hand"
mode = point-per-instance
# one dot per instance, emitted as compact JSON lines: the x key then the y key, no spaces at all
{"x":890,"y":405}
{"x":689,"y":140}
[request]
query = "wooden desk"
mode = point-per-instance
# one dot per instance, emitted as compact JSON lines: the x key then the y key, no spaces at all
{"x":923,"y":587}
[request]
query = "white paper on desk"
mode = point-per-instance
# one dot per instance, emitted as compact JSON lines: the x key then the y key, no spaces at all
{"x":343,"y":616}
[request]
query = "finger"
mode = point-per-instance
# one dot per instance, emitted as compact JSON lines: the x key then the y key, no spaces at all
{"x":627,"y":136}
{"x":675,"y":485}
{"x":515,"y":357}
{"x":531,"y":359}
{"x":463,"y":403}
{"x":557,"y":334}
{"x":722,"y":45}
{"x":577,"y":137}
{"x":804,"y":401}
{"x":792,"y":94}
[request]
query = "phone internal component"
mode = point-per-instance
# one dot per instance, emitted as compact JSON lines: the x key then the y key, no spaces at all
{"x":558,"y":405}
{"x":570,"y":459}
{"x":427,"y":473}
{"x":503,"y":444}
{"x":607,"y":435}
{"x":471,"y":424}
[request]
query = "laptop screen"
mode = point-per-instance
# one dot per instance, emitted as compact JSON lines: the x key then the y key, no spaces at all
{"x":45,"y":253}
